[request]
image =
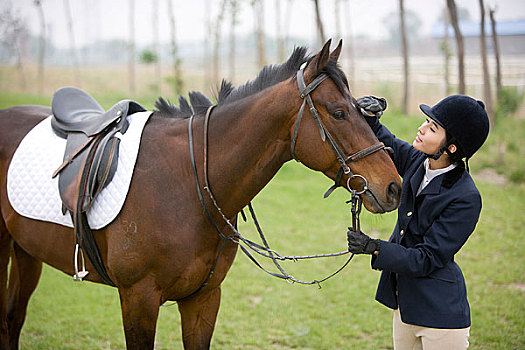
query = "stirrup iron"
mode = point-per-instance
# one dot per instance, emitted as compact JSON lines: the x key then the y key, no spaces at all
{"x":79,"y":275}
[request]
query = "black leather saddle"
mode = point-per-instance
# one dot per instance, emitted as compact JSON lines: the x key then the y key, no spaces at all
{"x":90,"y":158}
{"x":89,"y":130}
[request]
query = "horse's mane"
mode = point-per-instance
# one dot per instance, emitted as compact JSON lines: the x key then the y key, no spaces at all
{"x":268,"y":76}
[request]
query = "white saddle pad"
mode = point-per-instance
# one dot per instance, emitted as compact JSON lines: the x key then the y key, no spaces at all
{"x":34,"y":194}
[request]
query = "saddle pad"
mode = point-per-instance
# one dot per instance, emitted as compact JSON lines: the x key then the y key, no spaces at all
{"x":34,"y":194}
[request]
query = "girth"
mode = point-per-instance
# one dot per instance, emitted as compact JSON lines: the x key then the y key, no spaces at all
{"x":90,"y":160}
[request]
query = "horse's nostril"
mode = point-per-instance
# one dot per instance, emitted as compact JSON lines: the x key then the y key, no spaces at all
{"x":393,"y":192}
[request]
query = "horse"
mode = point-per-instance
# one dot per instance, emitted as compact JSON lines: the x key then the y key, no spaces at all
{"x":252,"y":131}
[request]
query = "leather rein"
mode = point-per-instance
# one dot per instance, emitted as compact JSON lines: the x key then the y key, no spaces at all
{"x":264,"y":250}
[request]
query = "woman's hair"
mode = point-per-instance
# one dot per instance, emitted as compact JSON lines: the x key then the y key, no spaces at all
{"x":456,"y":157}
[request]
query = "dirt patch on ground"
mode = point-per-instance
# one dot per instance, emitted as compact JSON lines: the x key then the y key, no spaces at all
{"x":490,"y":176}
{"x":518,"y":286}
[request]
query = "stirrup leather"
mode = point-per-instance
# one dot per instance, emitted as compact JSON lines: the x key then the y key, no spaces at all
{"x":79,"y":275}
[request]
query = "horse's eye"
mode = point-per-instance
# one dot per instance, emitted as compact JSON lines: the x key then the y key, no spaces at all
{"x":340,"y":114}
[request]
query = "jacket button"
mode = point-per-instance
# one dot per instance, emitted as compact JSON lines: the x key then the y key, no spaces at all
{"x":409,"y":213}
{"x":401,"y":232}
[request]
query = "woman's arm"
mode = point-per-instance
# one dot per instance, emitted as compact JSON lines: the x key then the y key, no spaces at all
{"x":444,"y":238}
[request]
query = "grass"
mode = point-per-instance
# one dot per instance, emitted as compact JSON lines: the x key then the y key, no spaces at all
{"x":261,"y":312}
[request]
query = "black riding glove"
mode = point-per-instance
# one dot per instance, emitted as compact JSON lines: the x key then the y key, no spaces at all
{"x":359,"y":243}
{"x":372,"y":108}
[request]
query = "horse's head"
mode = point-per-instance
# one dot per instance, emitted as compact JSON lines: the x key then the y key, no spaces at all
{"x":329,"y":135}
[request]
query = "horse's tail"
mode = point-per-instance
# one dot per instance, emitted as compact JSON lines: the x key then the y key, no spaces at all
{"x":5,"y":252}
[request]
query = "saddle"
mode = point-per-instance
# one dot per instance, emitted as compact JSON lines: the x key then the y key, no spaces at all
{"x":90,"y":160}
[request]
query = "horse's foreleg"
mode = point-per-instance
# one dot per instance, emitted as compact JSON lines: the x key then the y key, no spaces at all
{"x":198,"y":316}
{"x":140,"y":309}
{"x":5,"y":244}
{"x":23,"y":279}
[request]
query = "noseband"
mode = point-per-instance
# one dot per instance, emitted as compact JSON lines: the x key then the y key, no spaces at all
{"x":325,"y":135}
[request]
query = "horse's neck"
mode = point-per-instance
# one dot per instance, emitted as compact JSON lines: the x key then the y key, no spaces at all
{"x":249,"y":142}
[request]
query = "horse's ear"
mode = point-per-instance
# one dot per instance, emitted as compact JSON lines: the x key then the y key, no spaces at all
{"x":318,"y":63}
{"x":334,"y":56}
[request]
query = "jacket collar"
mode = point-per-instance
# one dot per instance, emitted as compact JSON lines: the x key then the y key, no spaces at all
{"x":451,"y":177}
{"x":446,"y":180}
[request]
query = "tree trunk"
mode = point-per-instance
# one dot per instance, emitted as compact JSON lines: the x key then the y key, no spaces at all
{"x":446,"y":53}
{"x":337,"y":13}
{"x":486,"y":76}
{"x":350,"y":44}
{"x":72,"y":48}
{"x":177,"y":81}
{"x":20,"y":65}
{"x":496,"y":53}
{"x":460,"y":46}
{"x":41,"y":46}
{"x":234,"y":9}
{"x":280,"y":41}
{"x":405,"y":57}
{"x":217,"y":42}
{"x":319,"y":21}
{"x":156,"y":46}
{"x":288,"y":14}
{"x":131,"y":47}
{"x":258,"y":10}
{"x":207,"y":44}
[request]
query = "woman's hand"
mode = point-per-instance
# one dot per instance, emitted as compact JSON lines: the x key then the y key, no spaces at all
{"x":359,"y":243}
{"x":372,"y":108}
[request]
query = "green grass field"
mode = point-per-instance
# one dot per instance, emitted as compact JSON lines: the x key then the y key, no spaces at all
{"x":261,"y":312}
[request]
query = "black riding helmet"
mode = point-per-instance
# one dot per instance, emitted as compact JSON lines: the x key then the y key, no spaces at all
{"x":464,"y":119}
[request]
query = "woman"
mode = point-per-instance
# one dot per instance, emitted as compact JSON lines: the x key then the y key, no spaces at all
{"x":439,"y":209}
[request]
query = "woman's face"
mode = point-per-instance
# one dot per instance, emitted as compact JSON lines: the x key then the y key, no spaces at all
{"x":430,"y":137}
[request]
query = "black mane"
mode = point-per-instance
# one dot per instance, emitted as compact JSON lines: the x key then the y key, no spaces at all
{"x":268,"y":76}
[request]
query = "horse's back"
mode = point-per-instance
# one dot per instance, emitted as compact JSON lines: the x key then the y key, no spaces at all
{"x":15,"y":123}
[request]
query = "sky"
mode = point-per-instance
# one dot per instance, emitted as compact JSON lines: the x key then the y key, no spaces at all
{"x":108,"y":19}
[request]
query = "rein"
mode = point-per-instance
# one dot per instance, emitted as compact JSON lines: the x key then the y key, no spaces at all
{"x":264,"y":250}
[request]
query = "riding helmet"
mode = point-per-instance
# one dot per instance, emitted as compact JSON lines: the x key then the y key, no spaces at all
{"x":464,"y":118}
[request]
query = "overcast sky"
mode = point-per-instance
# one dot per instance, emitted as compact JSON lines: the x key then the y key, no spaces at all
{"x":108,"y":19}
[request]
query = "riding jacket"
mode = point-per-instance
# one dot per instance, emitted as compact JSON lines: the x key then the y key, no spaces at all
{"x":419,"y":275}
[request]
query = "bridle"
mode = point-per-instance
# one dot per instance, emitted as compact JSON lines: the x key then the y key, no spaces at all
{"x":264,"y":249}
{"x":325,"y":135}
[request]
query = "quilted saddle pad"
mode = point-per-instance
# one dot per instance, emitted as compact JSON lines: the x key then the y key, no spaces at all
{"x":34,"y":194}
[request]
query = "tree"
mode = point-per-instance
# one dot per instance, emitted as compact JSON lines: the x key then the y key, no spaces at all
{"x":486,"y":76}
{"x":280,"y":41}
{"x":337,"y":13}
{"x":72,"y":49}
{"x":445,"y":47}
{"x":412,"y":27}
{"x":453,"y":12}
{"x":495,"y":44}
{"x":209,"y":31}
{"x":41,"y":46}
{"x":405,"y":57}
{"x":131,"y":47}
{"x":13,"y":33}
{"x":234,"y":7}
{"x":176,"y":80}
{"x":319,"y":22}
{"x":288,"y":15}
{"x":350,"y":43}
{"x":258,"y":11}
{"x":148,"y":56}
{"x":217,"y":41}
{"x":156,"y":46}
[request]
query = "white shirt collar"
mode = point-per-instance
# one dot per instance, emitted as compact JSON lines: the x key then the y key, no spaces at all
{"x":430,"y":174}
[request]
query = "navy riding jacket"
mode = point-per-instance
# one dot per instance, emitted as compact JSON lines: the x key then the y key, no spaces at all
{"x":419,"y":275}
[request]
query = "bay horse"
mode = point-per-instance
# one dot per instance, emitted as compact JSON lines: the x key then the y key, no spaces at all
{"x":251,"y":131}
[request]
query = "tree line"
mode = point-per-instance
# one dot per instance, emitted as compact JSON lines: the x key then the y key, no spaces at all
{"x":230,"y":9}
